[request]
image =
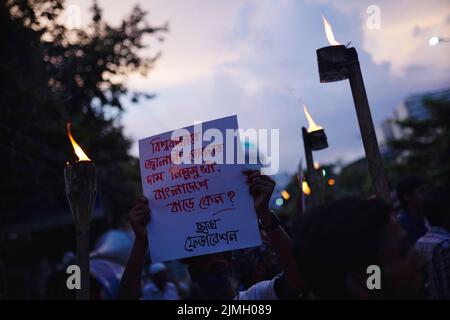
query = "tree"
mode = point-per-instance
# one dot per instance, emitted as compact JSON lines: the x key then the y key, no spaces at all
{"x":329,"y":192}
{"x":424,"y":148}
{"x":354,"y":179}
{"x":51,"y":75}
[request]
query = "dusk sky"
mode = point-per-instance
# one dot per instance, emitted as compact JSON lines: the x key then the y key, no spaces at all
{"x":257,"y":59}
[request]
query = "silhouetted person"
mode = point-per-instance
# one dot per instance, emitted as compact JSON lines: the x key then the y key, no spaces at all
{"x":256,"y":264}
{"x":336,"y":243}
{"x":410,"y":194}
{"x":435,"y":244}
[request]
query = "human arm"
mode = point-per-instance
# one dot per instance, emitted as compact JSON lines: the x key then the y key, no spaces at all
{"x":130,"y":284}
{"x":261,"y":188}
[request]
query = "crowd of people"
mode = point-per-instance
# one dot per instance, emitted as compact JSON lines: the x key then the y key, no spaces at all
{"x":326,"y":255}
{"x":323,"y":253}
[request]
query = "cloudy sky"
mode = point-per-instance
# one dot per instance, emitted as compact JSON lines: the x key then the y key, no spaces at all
{"x":256,"y":59}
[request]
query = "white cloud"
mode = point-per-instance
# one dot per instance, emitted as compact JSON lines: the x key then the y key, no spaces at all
{"x":406,"y":26}
{"x":257,"y":58}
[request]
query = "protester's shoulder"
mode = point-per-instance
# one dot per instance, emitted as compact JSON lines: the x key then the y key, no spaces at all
{"x":148,"y":291}
{"x":263,"y":290}
{"x":443,"y":247}
{"x":424,"y":240}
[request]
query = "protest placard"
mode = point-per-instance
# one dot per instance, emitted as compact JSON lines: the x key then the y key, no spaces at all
{"x":202,"y":206}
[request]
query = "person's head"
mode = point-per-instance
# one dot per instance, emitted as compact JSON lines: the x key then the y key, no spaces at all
{"x":256,"y":264}
{"x":158,"y":274}
{"x":410,"y":192}
{"x":436,"y":207}
{"x":336,"y":243}
{"x":213,"y":273}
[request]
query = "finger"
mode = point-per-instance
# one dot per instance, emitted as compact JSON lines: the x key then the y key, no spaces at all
{"x":142,"y":204}
{"x":138,"y":220}
{"x":260,"y":189}
{"x":267,"y":178}
{"x":250,"y":172}
{"x":138,"y":205}
{"x":136,"y":212}
{"x":139,"y":213}
{"x":253,"y":174}
{"x":258,"y":181}
{"x":146,"y":221}
{"x":263,"y":180}
{"x":143,"y":220}
{"x":254,"y":193}
{"x":143,"y":199}
{"x":252,"y":188}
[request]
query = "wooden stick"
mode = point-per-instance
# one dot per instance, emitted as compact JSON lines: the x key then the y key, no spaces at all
{"x":369,"y":138}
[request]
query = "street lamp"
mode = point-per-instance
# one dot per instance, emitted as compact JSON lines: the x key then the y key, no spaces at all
{"x":436,"y":40}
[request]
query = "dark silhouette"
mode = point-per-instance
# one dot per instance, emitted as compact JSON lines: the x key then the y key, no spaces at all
{"x":336,"y":243}
{"x":410,"y":192}
{"x":51,"y":75}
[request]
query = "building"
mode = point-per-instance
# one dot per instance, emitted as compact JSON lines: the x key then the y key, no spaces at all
{"x":413,"y":107}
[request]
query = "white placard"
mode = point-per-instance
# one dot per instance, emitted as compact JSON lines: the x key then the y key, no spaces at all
{"x":199,"y":207}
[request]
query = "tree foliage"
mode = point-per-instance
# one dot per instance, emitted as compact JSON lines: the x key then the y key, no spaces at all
{"x":51,"y":75}
{"x":424,"y":148}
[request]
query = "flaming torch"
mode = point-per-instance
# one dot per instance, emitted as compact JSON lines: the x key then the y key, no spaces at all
{"x":81,"y":188}
{"x":314,"y":139}
{"x":338,"y":62}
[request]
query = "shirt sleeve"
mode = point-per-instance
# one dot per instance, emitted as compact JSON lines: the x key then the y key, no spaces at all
{"x":263,"y":290}
{"x":440,"y":265}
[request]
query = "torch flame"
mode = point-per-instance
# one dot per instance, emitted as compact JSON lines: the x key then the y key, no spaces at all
{"x":312,"y":125}
{"x":329,"y":32}
{"x":78,"y":151}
